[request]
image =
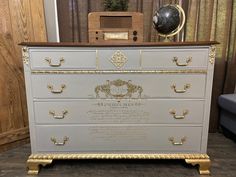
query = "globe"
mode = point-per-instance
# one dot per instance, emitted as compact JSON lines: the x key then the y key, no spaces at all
{"x":169,"y":20}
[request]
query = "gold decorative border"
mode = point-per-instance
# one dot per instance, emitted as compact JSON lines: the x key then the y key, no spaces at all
{"x":118,"y":71}
{"x":212,"y":54}
{"x":25,"y":55}
{"x":35,"y":160}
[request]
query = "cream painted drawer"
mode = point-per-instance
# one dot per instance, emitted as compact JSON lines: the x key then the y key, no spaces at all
{"x":122,"y":59}
{"x":59,"y":59}
{"x":105,"y":59}
{"x":91,"y":138}
{"x":136,"y":111}
{"x":119,"y":86}
{"x":174,"y":58}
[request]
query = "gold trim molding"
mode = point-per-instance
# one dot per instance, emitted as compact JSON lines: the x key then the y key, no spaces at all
{"x":25,"y":55}
{"x":118,"y":156}
{"x":212,"y":54}
{"x":35,"y":160}
{"x":119,"y":71}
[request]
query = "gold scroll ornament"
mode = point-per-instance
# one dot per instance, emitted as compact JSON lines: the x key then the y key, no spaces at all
{"x":127,"y":89}
{"x":212,"y":54}
{"x":25,"y":55}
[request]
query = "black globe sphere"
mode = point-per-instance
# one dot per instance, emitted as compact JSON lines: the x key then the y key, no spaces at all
{"x":167,"y":19}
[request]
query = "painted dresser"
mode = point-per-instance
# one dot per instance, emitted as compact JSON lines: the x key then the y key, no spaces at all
{"x":141,"y":101}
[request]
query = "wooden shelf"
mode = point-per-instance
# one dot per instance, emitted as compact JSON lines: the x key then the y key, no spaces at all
{"x":143,"y":44}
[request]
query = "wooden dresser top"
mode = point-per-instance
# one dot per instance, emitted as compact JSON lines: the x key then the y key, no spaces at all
{"x":143,"y":44}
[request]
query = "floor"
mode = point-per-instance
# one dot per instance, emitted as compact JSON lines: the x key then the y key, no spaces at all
{"x":221,"y":150}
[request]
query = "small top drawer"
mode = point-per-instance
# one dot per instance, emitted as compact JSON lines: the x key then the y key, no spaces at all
{"x":174,"y":58}
{"x":63,"y":59}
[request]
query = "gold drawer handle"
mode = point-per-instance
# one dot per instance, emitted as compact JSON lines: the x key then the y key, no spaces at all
{"x":172,"y":140}
{"x":173,"y":112}
{"x":54,"y":140}
{"x":62,"y":116}
{"x":186,"y":86}
{"x":49,"y":60}
{"x":175,"y":60}
{"x":50,"y":87}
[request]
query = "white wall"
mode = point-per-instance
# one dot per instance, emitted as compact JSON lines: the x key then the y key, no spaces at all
{"x":50,"y":10}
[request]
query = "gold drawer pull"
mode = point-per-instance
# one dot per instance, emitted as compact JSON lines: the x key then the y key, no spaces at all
{"x":50,"y":87}
{"x":54,"y":140}
{"x":175,"y":60}
{"x":186,"y":86}
{"x":62,"y":116}
{"x":49,"y":60}
{"x":172,"y":140}
{"x":173,"y":112}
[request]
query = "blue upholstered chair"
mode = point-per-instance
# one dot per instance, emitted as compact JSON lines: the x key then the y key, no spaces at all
{"x":227,"y":103}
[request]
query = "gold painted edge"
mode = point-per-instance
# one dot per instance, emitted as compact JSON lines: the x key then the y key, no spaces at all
{"x":97,"y":60}
{"x":140,"y":59}
{"x":118,"y":156}
{"x":41,"y":160}
{"x":117,"y":71}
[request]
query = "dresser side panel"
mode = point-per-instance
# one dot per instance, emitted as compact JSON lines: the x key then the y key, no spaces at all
{"x":29,"y":97}
{"x":209,"y":82}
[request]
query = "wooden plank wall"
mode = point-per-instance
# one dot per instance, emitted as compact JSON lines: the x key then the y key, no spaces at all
{"x":20,"y":20}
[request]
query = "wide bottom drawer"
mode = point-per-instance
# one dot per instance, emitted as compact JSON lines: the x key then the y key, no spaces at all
{"x":91,"y":138}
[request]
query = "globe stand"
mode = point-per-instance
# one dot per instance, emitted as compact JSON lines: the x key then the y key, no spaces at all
{"x":166,"y":39}
{"x":178,"y":29}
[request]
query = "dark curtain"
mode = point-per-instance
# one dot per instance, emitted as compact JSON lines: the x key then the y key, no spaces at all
{"x":205,"y":20}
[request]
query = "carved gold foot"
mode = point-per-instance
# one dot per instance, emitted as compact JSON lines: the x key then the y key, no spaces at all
{"x":204,"y":165}
{"x":33,"y":165}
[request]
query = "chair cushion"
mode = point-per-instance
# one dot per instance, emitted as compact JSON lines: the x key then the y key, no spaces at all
{"x":228,"y":121}
{"x":228,"y":102}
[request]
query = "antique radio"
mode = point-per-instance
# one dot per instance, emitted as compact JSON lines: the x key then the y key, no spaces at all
{"x":126,"y":27}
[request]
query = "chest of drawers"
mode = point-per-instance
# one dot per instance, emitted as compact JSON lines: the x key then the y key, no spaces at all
{"x":142,"y":101}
